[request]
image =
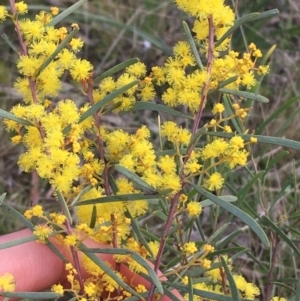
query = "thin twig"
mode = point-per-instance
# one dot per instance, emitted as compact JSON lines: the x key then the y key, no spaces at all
{"x":105,"y":172}
{"x":75,"y":258}
{"x":175,"y":200}
{"x":32,"y":85}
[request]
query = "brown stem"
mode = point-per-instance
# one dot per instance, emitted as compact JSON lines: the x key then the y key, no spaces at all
{"x":99,"y":139}
{"x":101,"y":154}
{"x":32,"y":85}
{"x":23,"y":50}
{"x":105,"y":172}
{"x":17,"y":26}
{"x":205,"y":89}
{"x":175,"y":200}
{"x":167,"y":227}
{"x":75,"y":258}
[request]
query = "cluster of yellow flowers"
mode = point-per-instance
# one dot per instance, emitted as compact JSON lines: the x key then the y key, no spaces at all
{"x":90,"y":288}
{"x":184,"y":86}
{"x":60,"y":137}
{"x":247,"y":289}
{"x":7,"y":283}
{"x":57,"y":154}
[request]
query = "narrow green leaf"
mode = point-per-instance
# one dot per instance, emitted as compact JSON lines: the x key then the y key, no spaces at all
{"x":196,"y":137}
{"x":201,"y":293}
{"x":2,"y":198}
{"x":167,"y":292}
{"x":171,"y":295}
{"x":233,"y":250}
{"x":66,"y":12}
{"x":136,"y":230}
{"x":294,"y":215}
{"x":287,"y":288}
{"x":233,"y":289}
{"x":11,"y":116}
{"x":288,"y":279}
{"x":245,"y":94}
{"x":164,"y":206}
{"x":199,"y":228}
{"x":237,"y":123}
{"x":138,"y":258}
{"x":243,"y":216}
{"x":18,"y":242}
{"x":97,"y":106}
{"x":293,"y":231}
{"x":236,"y":25}
{"x":173,"y":230}
{"x":191,"y":290}
{"x":245,"y":19}
{"x":199,"y":271}
{"x":15,"y":213}
{"x":107,"y":270}
{"x":33,"y":238}
{"x":257,"y":261}
{"x":112,"y":183}
{"x":261,"y":139}
{"x":28,"y":224}
{"x":192,"y":44}
{"x":161,"y":215}
{"x":225,"y":198}
{"x":143,"y":105}
{"x":115,"y":69}
{"x":287,"y":122}
{"x":64,"y":206}
{"x":32,"y":295}
{"x":242,"y":193}
{"x":143,"y":296}
{"x":56,"y":251}
{"x":267,"y":14}
{"x":228,"y":239}
{"x":274,"y":160}
{"x":134,"y":178}
{"x":267,"y":55}
{"x":274,"y":115}
{"x":168,"y":246}
{"x":227,"y":82}
{"x":81,"y":193}
{"x":172,"y":261}
{"x":172,"y":152}
{"x":218,"y":233}
{"x":59,"y":48}
{"x":93,"y":217}
{"x":280,"y":233}
{"x":10,"y":43}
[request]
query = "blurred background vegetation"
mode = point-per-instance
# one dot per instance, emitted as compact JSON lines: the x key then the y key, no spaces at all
{"x":116,"y":30}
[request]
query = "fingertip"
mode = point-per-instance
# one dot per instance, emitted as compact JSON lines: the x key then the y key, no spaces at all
{"x":34,"y":266}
